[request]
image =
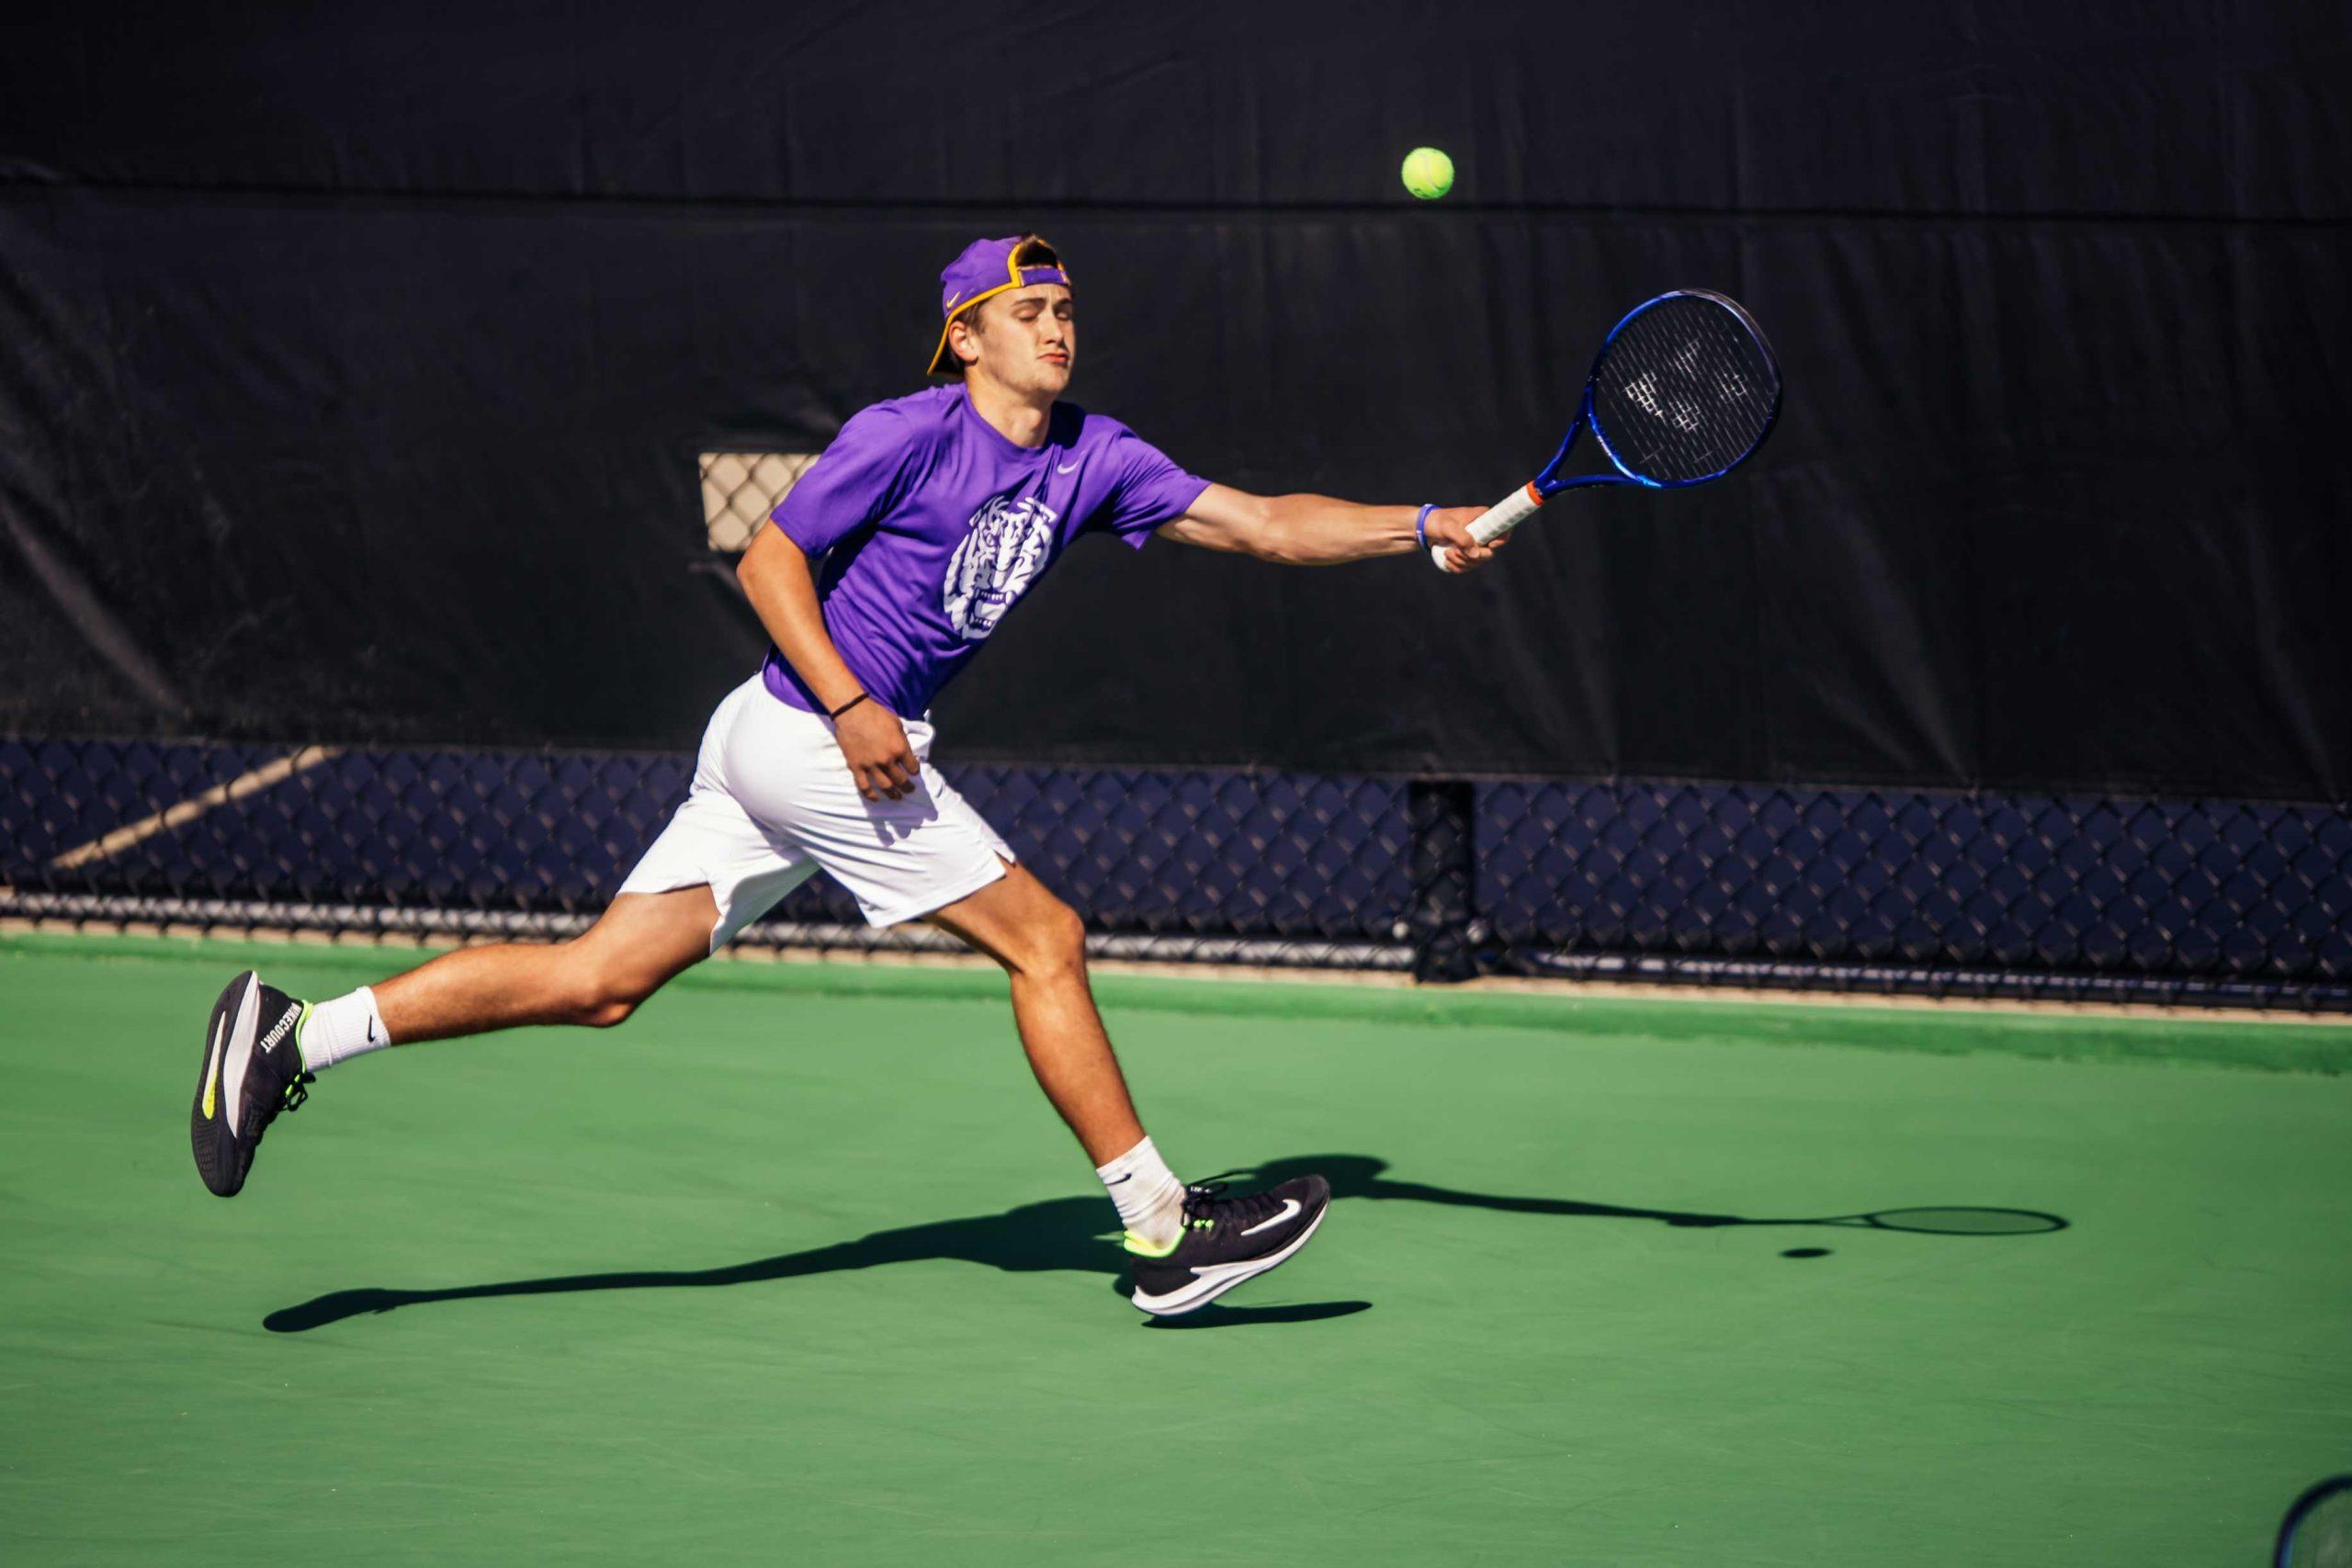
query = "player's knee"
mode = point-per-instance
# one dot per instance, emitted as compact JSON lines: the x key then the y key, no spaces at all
{"x":601,"y":997}
{"x":603,"y":1013}
{"x":1053,"y":941}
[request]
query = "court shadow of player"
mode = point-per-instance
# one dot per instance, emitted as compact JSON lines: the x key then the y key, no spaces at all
{"x":1363,"y":1176}
{"x":1061,"y":1235}
{"x":1057,"y":1234}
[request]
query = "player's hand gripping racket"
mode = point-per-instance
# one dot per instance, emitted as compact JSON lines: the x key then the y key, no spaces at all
{"x":1684,"y":391}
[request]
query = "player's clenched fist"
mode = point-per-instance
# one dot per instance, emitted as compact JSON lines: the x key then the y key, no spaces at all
{"x":874,"y":744}
{"x":1450,"y":527}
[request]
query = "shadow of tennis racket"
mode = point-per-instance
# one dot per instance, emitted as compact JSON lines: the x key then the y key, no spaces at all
{"x":1365,"y":1175}
{"x":1923,"y":1221}
{"x":2317,"y":1532}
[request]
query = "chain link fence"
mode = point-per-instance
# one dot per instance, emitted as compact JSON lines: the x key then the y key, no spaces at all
{"x":739,"y":489}
{"x":2217,"y":902}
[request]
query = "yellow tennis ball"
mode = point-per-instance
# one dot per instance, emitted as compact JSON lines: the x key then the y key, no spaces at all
{"x":1428,"y":173}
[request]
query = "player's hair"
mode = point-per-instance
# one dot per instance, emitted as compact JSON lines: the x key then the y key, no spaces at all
{"x":971,"y":318}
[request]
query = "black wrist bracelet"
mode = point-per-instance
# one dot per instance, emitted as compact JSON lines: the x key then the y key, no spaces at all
{"x":836,"y":713}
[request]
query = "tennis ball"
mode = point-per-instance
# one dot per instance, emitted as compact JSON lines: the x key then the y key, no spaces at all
{"x":1428,"y":173}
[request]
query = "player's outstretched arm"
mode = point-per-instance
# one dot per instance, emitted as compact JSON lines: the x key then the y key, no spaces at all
{"x":1320,"y":530}
{"x":775,"y":578}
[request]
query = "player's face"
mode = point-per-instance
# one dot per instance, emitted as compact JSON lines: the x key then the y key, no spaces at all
{"x":1032,"y":340}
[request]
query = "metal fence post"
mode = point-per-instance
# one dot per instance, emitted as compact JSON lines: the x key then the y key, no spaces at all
{"x":1438,"y":921}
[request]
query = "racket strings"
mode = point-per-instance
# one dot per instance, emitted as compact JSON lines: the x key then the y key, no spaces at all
{"x":1684,"y":392}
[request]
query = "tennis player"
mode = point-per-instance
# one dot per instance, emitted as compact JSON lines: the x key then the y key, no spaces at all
{"x":886,"y":569}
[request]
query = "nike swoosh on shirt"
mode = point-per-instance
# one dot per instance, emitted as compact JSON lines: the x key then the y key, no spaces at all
{"x":212,"y":1069}
{"x":1065,"y":468}
{"x":1290,"y":1207}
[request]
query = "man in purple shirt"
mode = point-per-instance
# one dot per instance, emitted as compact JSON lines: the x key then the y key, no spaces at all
{"x":887,"y":567}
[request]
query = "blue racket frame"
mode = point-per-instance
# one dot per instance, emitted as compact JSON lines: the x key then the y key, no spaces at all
{"x":1549,"y":483}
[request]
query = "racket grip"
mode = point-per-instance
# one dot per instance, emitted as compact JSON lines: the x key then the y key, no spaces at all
{"x":1496,"y":521}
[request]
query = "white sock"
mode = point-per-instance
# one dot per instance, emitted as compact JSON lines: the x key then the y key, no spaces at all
{"x":337,"y":1031}
{"x":1151,"y":1199}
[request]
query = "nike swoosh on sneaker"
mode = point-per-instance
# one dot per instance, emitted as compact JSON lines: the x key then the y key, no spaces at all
{"x":1212,"y":1273}
{"x":212,"y":1069}
{"x":1290,"y":1207}
{"x":239,"y":1059}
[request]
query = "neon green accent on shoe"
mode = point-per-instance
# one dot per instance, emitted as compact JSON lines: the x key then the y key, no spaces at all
{"x":299,"y":1024}
{"x":1143,"y":1249}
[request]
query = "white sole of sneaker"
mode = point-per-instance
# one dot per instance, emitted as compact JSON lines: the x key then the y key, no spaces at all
{"x":1210,"y":1283}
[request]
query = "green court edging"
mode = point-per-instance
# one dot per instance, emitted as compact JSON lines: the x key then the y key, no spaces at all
{"x":2263,"y":1042}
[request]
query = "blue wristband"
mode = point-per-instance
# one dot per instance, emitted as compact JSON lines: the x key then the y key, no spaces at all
{"x":1422,"y":522}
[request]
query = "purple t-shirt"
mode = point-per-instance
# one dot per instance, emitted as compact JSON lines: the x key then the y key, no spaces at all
{"x":932,"y":524}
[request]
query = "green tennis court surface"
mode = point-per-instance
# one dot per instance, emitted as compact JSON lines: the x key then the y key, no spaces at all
{"x":799,"y":1267}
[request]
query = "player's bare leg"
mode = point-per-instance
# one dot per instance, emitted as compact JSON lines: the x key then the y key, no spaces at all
{"x":640,"y":943}
{"x":263,"y":1048}
{"x":1191,"y":1244}
{"x":1042,"y":944}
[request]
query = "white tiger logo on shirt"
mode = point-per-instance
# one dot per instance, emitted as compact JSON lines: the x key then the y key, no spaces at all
{"x":1004,"y":552}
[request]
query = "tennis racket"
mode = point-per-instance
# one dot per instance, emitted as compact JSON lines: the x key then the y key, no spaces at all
{"x":1684,"y":391}
{"x":2318,"y":1530}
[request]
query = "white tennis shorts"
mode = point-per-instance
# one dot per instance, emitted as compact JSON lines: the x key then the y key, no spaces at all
{"x":773,"y":803}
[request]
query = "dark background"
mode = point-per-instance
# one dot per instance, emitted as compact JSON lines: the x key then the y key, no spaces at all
{"x":352,"y":365}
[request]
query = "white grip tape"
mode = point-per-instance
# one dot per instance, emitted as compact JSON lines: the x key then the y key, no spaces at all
{"x":1496,"y":521}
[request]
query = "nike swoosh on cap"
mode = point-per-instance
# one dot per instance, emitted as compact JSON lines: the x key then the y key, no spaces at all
{"x":1290,"y":1207}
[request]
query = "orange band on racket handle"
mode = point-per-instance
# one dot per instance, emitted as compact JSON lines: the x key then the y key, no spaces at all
{"x":1496,"y":520}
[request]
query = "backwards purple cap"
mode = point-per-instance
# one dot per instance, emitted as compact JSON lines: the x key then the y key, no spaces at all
{"x":989,"y":267}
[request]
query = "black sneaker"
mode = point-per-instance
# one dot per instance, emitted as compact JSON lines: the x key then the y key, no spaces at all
{"x":252,"y":1070}
{"x":1227,"y":1240}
